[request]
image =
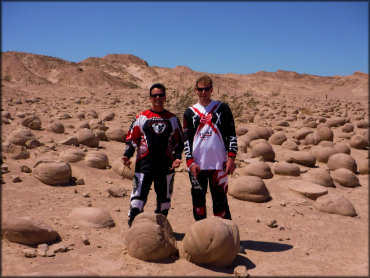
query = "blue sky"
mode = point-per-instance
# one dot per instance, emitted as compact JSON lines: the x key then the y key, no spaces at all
{"x":321,"y":38}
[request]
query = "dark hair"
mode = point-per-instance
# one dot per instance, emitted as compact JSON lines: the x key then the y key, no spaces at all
{"x":159,"y":86}
{"x":204,"y":79}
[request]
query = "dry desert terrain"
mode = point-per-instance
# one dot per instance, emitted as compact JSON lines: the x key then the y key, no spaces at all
{"x":55,"y":99}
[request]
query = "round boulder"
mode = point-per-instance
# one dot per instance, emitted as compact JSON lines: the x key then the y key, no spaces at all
{"x":88,"y":138}
{"x":342,"y":160}
{"x":342,"y":148}
{"x":150,"y":238}
{"x":303,"y":132}
{"x":358,"y":142}
{"x":249,"y":188}
{"x":265,"y":150}
{"x":91,"y":217}
{"x":290,"y":145}
{"x":212,"y":241}
{"x":312,"y":139}
{"x":319,"y":176}
{"x":304,"y":158}
{"x":52,"y":172}
{"x":278,"y":138}
{"x":96,"y":159}
{"x":325,"y":133}
{"x":56,"y":127}
{"x":286,"y":169}
{"x":259,"y":169}
{"x":322,"y":154}
{"x":345,"y":177}
{"x":72,"y":155}
{"x":116,"y":134}
{"x":20,"y":136}
{"x":32,"y":122}
{"x":335,"y":204}
{"x":25,"y":230}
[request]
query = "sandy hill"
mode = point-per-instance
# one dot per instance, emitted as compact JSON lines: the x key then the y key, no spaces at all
{"x":117,"y":71}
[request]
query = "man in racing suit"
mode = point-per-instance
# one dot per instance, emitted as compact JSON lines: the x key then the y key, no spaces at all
{"x":210,"y":150}
{"x":157,"y":136}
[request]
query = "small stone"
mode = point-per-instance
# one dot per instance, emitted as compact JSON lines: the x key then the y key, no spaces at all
{"x":118,"y":209}
{"x":26,"y":169}
{"x":85,"y":239}
{"x":42,"y":249}
{"x":58,"y":248}
{"x":29,"y":252}
{"x":272,"y":224}
{"x":283,"y":204}
{"x":268,"y":206}
{"x":16,"y":178}
{"x":50,"y":253}
{"x":80,"y":181}
{"x":4,"y":168}
{"x":280,"y":239}
{"x":86,"y":195}
{"x":241,"y":271}
{"x":258,"y":220}
{"x":75,"y":190}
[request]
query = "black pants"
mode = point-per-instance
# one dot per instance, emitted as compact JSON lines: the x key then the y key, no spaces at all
{"x":163,"y":186}
{"x":218,"y":186}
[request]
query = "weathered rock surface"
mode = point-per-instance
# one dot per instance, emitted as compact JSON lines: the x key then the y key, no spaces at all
{"x":336,"y":204}
{"x":26,"y":231}
{"x":91,"y":217}
{"x":212,"y":241}
{"x":150,"y":238}
{"x":249,"y":188}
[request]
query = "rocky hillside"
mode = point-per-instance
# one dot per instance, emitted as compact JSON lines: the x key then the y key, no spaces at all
{"x":117,"y":71}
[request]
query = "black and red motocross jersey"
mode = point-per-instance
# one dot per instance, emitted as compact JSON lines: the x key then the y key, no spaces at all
{"x":158,"y":138}
{"x":209,"y":134}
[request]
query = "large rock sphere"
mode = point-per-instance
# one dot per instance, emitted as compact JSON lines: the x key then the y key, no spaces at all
{"x":212,"y":241}
{"x":342,"y":160}
{"x":150,"y":238}
{"x":249,"y":188}
{"x":52,"y":172}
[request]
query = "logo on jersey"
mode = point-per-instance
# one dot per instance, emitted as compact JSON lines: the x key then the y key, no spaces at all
{"x":159,"y":127}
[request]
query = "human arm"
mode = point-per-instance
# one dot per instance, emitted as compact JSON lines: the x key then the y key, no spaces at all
{"x":189,"y":132}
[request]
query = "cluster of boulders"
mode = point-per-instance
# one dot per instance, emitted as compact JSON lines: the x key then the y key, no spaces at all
{"x":310,"y":141}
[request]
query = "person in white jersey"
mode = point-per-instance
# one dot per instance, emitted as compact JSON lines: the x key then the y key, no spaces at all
{"x":210,"y":150}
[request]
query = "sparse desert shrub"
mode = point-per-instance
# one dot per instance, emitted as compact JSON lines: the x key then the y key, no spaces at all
{"x":275,"y":92}
{"x":306,"y":110}
{"x":7,"y":78}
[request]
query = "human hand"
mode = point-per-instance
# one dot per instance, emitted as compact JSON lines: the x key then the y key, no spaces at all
{"x":230,"y":166}
{"x":194,"y":170}
{"x":175,"y":164}
{"x":126,"y":161}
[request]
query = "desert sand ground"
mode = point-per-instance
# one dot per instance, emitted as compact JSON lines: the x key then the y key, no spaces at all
{"x":306,"y":242}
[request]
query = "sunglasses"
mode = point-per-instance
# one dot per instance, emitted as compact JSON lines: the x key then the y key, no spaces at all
{"x":158,"y":95}
{"x":206,"y":89}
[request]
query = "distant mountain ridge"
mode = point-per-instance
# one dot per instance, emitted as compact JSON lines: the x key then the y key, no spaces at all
{"x":128,"y":71}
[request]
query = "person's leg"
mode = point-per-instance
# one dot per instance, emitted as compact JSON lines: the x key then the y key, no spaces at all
{"x":163,"y":186}
{"x":139,"y":195}
{"x":218,"y":186}
{"x":198,"y":195}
